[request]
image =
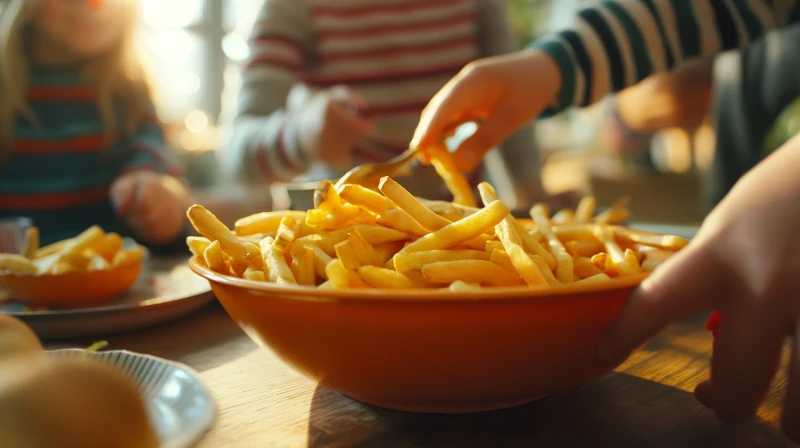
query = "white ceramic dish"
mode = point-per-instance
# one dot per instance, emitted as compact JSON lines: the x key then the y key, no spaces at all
{"x":180,"y":406}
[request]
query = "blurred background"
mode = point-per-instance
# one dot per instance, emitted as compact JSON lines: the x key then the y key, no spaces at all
{"x":194,"y":48}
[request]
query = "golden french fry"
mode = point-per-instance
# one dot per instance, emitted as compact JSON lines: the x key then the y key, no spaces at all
{"x":51,"y":249}
{"x":500,"y":257}
{"x":412,"y":261}
{"x":277,"y":269}
{"x":650,"y":265}
{"x":336,"y":217}
{"x":598,"y":278}
{"x":584,"y":268}
{"x":346,"y":253}
{"x":384,"y":278}
{"x":214,"y":258}
{"x":493,"y":245}
{"x":99,"y":263}
{"x":364,"y":251}
{"x":564,"y":263}
{"x":461,"y":231}
{"x":321,"y":260}
{"x":326,"y":285}
{"x":668,"y":242}
{"x":387,"y":250}
{"x":470,"y":271}
{"x":541,"y":264}
{"x":585,"y":211}
{"x":658,"y":255}
{"x":255,"y":274}
{"x":445,"y":166}
{"x":411,"y":205}
{"x":79,"y":262}
{"x":623,"y":263}
{"x":512,"y":243}
{"x":237,"y":266}
{"x":197,"y":245}
{"x":445,"y":208}
{"x":574,"y":232}
{"x":17,"y":264}
{"x":341,"y":277}
{"x":265,"y":222}
{"x":366,"y":198}
{"x":459,"y":286}
{"x":31,"y":244}
{"x":212,"y":228}
{"x":287,"y":231}
{"x":77,"y":245}
{"x":303,"y":267}
{"x":601,"y":261}
{"x":61,"y":268}
{"x":400,"y":220}
{"x":564,"y":216}
{"x":125,"y":257}
{"x":618,"y":212}
{"x":530,"y":242}
{"x":108,"y":246}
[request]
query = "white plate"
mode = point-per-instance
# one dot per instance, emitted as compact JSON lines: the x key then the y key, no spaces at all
{"x":179,"y":405}
{"x":165,"y":290}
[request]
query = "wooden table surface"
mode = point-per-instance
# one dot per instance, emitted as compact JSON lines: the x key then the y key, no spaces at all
{"x":647,"y":402}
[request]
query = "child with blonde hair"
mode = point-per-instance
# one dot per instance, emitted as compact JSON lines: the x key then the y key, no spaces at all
{"x":79,"y":140}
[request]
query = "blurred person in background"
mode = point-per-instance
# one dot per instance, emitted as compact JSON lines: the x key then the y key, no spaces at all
{"x":333,"y":84}
{"x":80,"y":144}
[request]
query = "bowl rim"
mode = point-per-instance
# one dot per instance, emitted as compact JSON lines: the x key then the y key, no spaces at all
{"x":119,"y":267}
{"x":300,"y":292}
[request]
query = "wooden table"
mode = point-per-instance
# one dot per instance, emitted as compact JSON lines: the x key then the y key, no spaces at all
{"x":647,"y":402}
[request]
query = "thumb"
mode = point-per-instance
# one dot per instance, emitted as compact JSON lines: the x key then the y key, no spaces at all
{"x":685,"y":284}
{"x":123,"y":195}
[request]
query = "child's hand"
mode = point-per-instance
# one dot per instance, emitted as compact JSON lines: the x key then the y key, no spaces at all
{"x":329,"y":125}
{"x":153,"y":205}
{"x":503,"y":93}
{"x":745,"y":262}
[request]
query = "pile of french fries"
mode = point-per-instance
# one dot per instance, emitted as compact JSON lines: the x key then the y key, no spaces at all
{"x":92,"y":250}
{"x":361,"y":238}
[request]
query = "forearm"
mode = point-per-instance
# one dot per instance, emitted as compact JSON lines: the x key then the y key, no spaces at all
{"x":617,"y":44}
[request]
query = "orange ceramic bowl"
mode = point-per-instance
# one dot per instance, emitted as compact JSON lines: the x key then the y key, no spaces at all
{"x":430,"y":350}
{"x":73,"y":289}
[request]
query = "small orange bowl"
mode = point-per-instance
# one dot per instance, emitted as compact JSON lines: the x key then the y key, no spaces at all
{"x":430,"y":350}
{"x":73,"y":289}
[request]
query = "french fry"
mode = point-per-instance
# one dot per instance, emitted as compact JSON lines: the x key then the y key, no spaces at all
{"x":277,"y":269}
{"x":108,"y":246}
{"x":574,"y":232}
{"x":346,"y":253}
{"x":341,"y":277}
{"x":366,"y":198}
{"x":238,"y":266}
{"x":255,"y":274}
{"x":365,"y":253}
{"x":197,"y":245}
{"x":531,"y":244}
{"x":214,"y":258}
{"x":400,"y":220}
{"x":618,"y":212}
{"x":321,"y":260}
{"x":78,"y":261}
{"x":512,"y":243}
{"x":412,"y":261}
{"x":623,"y":263}
{"x":99,"y":263}
{"x":541,"y":264}
{"x":303,"y":268}
{"x":212,"y":228}
{"x":461,"y":231}
{"x":448,"y":208}
{"x":265,"y":222}
{"x":493,"y":245}
{"x":445,"y":166}
{"x":585,"y":211}
{"x":584,"y":268}
{"x":61,"y":268}
{"x":386,"y":251}
{"x":459,"y":286}
{"x":51,"y":249}
{"x":650,"y":265}
{"x":125,"y":257}
{"x":598,"y":278}
{"x":500,"y":257}
{"x":411,"y":205}
{"x":17,"y":264}
{"x":31,"y":244}
{"x":470,"y":271}
{"x":384,"y":278}
{"x":564,"y":263}
{"x":287,"y":230}
{"x":667,"y":242}
{"x":564,"y":216}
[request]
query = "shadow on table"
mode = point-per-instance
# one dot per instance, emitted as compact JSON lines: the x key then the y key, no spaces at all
{"x":618,"y":410}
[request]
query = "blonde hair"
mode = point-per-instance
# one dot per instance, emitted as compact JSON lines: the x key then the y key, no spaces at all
{"x":118,"y":77}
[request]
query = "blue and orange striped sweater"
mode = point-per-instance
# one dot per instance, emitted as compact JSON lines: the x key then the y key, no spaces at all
{"x":60,"y":169}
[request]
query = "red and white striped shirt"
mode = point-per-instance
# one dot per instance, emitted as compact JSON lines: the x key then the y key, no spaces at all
{"x":396,"y":54}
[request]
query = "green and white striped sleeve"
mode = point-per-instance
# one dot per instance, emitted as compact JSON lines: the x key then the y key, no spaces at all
{"x":618,"y":43}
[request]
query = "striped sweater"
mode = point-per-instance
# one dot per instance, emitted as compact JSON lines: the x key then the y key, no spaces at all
{"x":59,"y":170}
{"x":618,"y":43}
{"x":395,"y":53}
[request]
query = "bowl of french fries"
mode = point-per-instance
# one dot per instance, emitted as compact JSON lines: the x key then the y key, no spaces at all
{"x":89,"y":269}
{"x":428,"y":306}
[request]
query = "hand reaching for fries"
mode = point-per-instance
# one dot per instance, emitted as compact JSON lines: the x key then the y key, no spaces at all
{"x":745,"y":262}
{"x":152,"y":204}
